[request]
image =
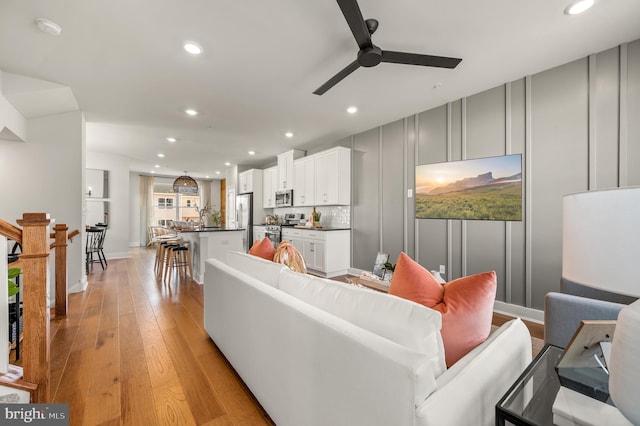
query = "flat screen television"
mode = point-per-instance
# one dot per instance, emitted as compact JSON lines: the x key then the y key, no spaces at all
{"x":478,"y":189}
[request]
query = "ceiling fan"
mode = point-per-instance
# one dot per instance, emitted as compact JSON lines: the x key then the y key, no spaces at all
{"x":371,"y":55}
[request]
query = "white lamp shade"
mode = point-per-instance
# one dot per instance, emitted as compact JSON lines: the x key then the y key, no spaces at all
{"x":601,"y":240}
{"x":624,"y":381}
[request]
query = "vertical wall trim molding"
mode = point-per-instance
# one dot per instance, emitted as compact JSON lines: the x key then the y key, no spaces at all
{"x":353,"y":176}
{"x":592,"y":143}
{"x":380,"y":192}
{"x":528,"y":137}
{"x":405,"y":184}
{"x":507,"y":224}
{"x":449,"y":221}
{"x":623,"y":132}
{"x":463,"y":234}
{"x":416,"y":145}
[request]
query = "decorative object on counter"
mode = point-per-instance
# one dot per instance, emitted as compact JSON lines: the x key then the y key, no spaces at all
{"x":388,"y":271}
{"x":185,"y":185}
{"x":214,"y":217}
{"x":314,"y":219}
{"x":203,"y":212}
{"x":289,"y":256}
{"x":378,"y":266}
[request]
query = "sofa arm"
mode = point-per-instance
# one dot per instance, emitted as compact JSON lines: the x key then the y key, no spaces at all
{"x":468,"y":392}
{"x":563,"y":313}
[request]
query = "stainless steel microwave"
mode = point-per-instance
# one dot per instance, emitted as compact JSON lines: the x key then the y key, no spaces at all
{"x":284,"y":198}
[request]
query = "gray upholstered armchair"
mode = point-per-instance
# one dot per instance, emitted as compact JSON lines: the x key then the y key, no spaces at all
{"x":563,"y":311}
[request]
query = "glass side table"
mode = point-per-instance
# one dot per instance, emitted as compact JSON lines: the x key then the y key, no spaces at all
{"x":530,"y":400}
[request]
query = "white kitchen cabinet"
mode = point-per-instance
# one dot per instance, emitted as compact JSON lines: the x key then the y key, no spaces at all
{"x":270,"y":186}
{"x":333,"y":177}
{"x":304,"y":180}
{"x":327,"y":253}
{"x":248,"y":180}
{"x":285,"y":168}
{"x":294,"y":236}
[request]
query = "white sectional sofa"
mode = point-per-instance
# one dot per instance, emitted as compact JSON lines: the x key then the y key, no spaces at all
{"x":320,"y":352}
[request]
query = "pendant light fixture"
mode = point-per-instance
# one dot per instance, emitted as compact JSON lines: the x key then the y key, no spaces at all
{"x":185,"y":185}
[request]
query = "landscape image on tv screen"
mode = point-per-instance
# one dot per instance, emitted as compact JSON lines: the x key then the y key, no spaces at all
{"x":479,"y":189}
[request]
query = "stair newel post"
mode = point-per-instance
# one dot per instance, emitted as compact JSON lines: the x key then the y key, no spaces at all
{"x":35,"y":258}
{"x":60,"y":245}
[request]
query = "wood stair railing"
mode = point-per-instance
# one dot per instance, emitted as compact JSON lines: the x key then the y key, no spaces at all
{"x":33,"y":261}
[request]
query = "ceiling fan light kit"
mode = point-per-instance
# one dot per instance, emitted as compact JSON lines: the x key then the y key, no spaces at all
{"x":371,"y":55}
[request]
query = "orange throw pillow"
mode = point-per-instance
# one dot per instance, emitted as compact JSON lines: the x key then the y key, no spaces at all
{"x":263,"y":249}
{"x":411,"y":281}
{"x":466,"y":304}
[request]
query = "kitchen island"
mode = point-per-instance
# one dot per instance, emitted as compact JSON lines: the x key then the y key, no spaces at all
{"x":211,"y":242}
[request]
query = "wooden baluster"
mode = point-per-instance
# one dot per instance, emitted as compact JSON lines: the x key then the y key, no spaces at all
{"x":61,"y":268}
{"x":35,"y":249}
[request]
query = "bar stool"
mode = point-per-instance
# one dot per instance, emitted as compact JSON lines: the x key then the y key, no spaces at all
{"x":178,"y":257}
{"x":158,"y":266}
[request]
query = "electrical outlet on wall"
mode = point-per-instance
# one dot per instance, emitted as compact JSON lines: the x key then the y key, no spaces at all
{"x":443,"y":269}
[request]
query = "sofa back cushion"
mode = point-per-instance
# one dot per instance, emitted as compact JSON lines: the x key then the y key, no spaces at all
{"x":401,"y":321}
{"x":256,"y":267}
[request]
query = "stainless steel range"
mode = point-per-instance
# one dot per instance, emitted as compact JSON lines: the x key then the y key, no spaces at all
{"x":273,"y":232}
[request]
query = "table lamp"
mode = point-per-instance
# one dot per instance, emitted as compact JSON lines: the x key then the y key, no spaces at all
{"x":601,"y":249}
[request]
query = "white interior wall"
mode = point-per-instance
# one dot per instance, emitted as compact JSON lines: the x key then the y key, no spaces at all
{"x":45,"y":174}
{"x":116,"y":245}
{"x":136,"y":235}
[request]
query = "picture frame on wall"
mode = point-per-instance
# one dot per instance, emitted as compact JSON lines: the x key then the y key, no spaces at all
{"x":378,"y":266}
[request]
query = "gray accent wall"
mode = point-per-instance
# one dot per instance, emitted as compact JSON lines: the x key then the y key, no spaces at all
{"x":577,"y":129}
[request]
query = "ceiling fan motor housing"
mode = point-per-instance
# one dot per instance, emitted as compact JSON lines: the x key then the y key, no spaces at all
{"x":370,"y":56}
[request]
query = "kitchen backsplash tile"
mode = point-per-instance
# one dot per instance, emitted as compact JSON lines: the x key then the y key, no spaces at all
{"x":330,"y":216}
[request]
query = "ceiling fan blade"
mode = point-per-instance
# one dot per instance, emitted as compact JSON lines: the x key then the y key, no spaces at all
{"x":352,"y":14}
{"x":416,"y":59}
{"x":337,"y":78}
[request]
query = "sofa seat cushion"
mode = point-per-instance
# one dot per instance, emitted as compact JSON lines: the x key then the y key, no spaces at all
{"x":408,"y":324}
{"x":466,"y":304}
{"x":263,"y":249}
{"x":254,"y":266}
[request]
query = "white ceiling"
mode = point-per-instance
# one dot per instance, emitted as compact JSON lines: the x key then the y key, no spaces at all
{"x":123,"y":61}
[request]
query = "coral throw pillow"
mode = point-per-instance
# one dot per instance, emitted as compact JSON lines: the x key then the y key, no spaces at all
{"x":290,"y":256}
{"x":263,"y":249}
{"x":466,"y":305}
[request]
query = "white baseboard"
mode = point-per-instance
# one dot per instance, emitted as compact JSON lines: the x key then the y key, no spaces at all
{"x":79,"y":286}
{"x":529,"y":314}
{"x":135,"y":244}
{"x":120,"y":255}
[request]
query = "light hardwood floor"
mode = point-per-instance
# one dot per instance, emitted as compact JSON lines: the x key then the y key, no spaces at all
{"x":133,"y":351}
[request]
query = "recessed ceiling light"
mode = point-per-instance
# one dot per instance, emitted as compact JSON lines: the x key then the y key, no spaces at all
{"x":289,"y":134}
{"x":172,"y":140}
{"x":191,"y":112}
{"x":437,"y":85}
{"x":352,"y":110}
{"x":152,"y":171}
{"x":193,"y":47}
{"x":207,"y":177}
{"x":578,"y":7}
{"x":157,"y":166}
{"x":217,"y":172}
{"x":49,"y":27}
{"x":161,"y":155}
{"x":252,"y":152}
{"x":227,"y":163}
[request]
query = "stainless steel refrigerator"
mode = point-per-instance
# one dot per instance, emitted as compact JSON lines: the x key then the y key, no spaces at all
{"x":244,"y":218}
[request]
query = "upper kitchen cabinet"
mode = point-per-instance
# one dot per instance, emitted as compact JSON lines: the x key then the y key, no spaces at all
{"x":304,"y":179}
{"x":285,"y":168}
{"x":270,"y":186}
{"x":247,"y":180}
{"x":333,"y":177}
